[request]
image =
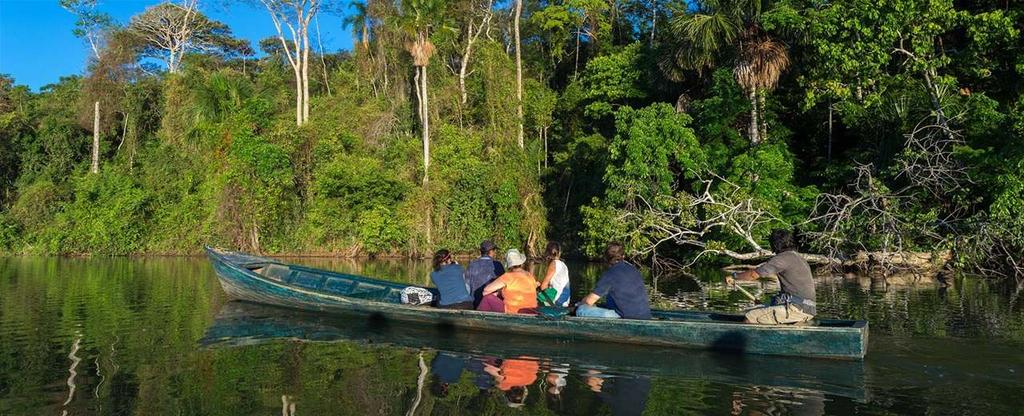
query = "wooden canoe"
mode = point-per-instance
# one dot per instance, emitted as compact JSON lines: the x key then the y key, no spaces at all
{"x":268,"y":281}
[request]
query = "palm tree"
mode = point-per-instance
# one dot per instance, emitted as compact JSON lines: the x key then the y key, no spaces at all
{"x":760,"y":63}
{"x":417,"y":19}
{"x":360,"y":22}
{"x":721,"y":32}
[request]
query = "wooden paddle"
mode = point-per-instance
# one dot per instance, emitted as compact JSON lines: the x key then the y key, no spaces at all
{"x":744,"y":291}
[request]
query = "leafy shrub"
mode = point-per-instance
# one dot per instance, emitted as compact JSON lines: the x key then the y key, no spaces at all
{"x":262,"y":174}
{"x":36,"y":205}
{"x":380,"y":231}
{"x":107,"y":216}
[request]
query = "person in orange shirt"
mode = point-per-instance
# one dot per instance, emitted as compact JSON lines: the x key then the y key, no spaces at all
{"x":517,"y":286}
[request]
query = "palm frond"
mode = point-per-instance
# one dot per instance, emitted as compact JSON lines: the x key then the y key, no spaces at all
{"x":701,"y":37}
{"x":761,"y":63}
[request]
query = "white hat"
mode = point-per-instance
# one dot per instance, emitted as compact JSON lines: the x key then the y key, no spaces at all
{"x":514,"y":258}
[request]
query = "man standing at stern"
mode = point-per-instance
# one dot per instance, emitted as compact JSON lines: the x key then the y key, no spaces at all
{"x":794,"y":303}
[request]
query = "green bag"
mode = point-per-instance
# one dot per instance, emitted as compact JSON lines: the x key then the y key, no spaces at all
{"x":546,"y":297}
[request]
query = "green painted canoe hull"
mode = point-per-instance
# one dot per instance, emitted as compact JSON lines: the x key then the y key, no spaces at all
{"x":263,"y":280}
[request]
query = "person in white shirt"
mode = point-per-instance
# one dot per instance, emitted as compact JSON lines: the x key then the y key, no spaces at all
{"x":554,"y":289}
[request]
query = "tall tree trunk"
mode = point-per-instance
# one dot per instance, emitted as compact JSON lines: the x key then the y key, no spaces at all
{"x":754,"y":124}
{"x":96,"y":138}
{"x":464,"y":65}
{"x":298,"y":95}
{"x":323,"y":62}
{"x":519,"y":72}
{"x":762,"y":120}
{"x":426,"y":127}
{"x":92,"y":44}
{"x":305,"y":74}
{"x":654,"y":19}
{"x":382,"y":53}
{"x":576,"y":66}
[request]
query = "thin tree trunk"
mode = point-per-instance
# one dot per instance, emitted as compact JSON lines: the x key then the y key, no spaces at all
{"x":323,"y":62}
{"x":654,"y":19}
{"x":754,"y":129}
{"x":298,"y":95}
{"x":762,"y":120}
{"x":305,"y":74}
{"x":419,"y":95}
{"x":464,"y":65}
{"x":519,"y":72}
{"x":426,"y":128}
{"x":384,"y":62}
{"x":124,"y":134}
{"x":92,"y":44}
{"x":576,"y":67}
{"x":96,"y":138}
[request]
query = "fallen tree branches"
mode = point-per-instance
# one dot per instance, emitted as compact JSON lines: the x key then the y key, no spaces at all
{"x":701,"y":221}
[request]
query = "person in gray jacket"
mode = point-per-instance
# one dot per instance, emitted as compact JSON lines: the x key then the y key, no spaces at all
{"x":795,"y":302}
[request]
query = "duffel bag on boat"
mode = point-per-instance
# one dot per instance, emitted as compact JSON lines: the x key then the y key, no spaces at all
{"x":416,"y":296}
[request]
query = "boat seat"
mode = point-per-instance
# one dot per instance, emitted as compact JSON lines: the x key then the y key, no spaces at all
{"x":340,"y":286}
{"x":376,"y":295}
{"x":308,"y":280}
{"x":275,"y":272}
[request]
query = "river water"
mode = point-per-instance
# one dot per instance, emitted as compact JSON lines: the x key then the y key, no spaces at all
{"x":157,"y":336}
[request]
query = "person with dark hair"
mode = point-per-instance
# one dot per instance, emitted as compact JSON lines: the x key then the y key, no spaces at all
{"x":554,"y":289}
{"x":795,"y":302}
{"x":623,"y":288}
{"x":483,"y":270}
{"x":448,"y":278}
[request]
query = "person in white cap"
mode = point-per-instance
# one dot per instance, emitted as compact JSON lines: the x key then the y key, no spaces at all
{"x":518,"y":288}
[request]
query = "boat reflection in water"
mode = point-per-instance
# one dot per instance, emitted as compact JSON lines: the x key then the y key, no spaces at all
{"x":508,"y":367}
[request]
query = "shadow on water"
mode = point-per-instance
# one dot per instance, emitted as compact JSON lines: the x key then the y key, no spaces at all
{"x":733,"y":342}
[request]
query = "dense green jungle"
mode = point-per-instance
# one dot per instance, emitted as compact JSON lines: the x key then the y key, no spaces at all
{"x":686,"y":129}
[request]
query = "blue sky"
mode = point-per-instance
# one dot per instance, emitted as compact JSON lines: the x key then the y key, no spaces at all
{"x":37,"y":47}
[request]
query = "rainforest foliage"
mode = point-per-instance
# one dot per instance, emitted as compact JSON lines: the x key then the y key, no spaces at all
{"x":685,"y":128}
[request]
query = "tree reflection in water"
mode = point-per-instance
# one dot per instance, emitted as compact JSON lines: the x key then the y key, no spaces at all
{"x":136,"y":323}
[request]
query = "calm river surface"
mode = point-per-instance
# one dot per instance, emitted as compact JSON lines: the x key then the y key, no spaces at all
{"x":157,"y":336}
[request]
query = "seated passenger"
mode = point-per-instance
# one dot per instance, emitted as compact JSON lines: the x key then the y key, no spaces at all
{"x":448,"y":278}
{"x":623,"y":288}
{"x":483,"y":270}
{"x":554,"y":289}
{"x":517,"y":286}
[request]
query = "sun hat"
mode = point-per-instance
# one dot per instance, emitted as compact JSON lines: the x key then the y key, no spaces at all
{"x":514,"y":258}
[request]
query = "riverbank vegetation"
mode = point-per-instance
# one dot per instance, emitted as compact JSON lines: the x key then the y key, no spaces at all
{"x":687,"y":129}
